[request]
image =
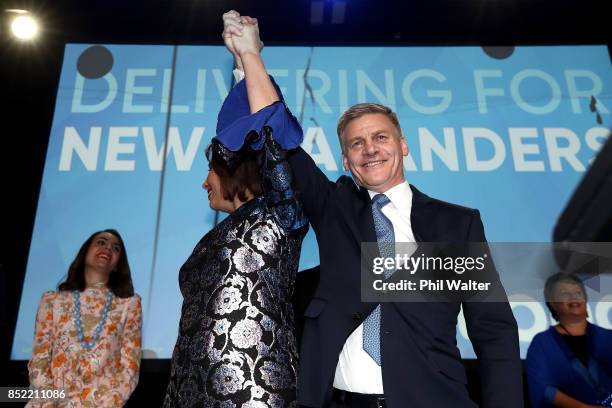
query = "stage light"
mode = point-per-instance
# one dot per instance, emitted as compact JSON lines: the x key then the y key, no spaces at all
{"x":24,"y":27}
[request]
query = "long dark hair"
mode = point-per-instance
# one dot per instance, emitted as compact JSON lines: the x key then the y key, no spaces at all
{"x":119,"y":281}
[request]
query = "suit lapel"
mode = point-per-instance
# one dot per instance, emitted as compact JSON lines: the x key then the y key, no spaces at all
{"x":418,"y":216}
{"x":362,"y":225}
{"x":365,"y":219}
{"x":356,"y":209}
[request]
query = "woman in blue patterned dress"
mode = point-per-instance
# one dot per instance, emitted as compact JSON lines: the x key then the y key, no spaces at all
{"x":236,"y":345}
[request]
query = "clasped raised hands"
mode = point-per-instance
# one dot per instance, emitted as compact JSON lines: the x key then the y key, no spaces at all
{"x":241,"y":35}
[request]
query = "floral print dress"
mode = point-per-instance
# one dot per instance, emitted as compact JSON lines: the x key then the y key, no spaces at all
{"x":103,"y":376}
{"x":236,"y":346}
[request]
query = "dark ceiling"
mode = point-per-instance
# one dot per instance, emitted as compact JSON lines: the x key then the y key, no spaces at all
{"x":290,"y":21}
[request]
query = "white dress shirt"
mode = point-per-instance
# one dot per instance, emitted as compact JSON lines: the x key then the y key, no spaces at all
{"x":356,"y":370}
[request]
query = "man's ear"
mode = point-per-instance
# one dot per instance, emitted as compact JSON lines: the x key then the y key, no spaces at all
{"x":405,"y":149}
{"x":344,"y":162}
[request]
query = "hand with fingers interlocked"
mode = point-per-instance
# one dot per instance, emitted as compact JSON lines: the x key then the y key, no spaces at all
{"x":241,"y":35}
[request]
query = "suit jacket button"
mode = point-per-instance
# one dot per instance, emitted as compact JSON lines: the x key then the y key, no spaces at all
{"x":357,"y":316}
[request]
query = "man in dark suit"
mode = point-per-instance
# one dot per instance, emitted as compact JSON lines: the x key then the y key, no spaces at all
{"x":419,"y":364}
{"x":403,"y":354}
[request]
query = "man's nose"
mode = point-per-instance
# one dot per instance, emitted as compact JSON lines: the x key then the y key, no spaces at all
{"x":370,"y":148}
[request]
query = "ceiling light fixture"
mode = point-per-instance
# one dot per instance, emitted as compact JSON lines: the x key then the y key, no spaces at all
{"x":23,"y":26}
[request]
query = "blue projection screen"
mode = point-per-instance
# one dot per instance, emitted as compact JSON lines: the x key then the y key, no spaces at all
{"x":510,"y":136}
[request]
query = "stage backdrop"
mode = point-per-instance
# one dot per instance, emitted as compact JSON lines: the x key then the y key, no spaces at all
{"x":509,"y":131}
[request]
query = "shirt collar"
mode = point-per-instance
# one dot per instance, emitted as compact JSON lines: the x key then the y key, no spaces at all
{"x":400,"y":195}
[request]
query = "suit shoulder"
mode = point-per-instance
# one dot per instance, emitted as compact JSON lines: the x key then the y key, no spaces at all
{"x":346,"y":183}
{"x":345,"y":180}
{"x":451,"y":207}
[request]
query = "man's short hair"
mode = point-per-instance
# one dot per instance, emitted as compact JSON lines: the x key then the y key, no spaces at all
{"x":361,"y":109}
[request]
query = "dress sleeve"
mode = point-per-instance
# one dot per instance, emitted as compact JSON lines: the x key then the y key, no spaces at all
{"x":275,"y":130}
{"x":130,"y":351}
{"x":603,"y":351}
{"x":235,"y":121}
{"x":540,"y":379}
{"x":278,"y":185}
{"x":39,"y":366}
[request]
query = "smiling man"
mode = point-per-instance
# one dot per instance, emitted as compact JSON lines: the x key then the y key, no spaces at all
{"x":372,"y":147}
{"x":358,"y":354}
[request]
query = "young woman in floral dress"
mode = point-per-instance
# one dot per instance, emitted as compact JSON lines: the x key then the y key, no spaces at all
{"x":88,"y":332}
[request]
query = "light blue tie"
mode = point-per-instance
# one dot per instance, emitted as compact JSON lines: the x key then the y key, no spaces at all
{"x":386,"y":246}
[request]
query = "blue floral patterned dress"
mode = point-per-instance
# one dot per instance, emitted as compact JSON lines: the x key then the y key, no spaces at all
{"x":236,"y":345}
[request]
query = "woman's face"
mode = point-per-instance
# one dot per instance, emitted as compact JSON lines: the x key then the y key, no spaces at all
{"x":103,"y":253}
{"x":569,"y":301}
{"x":212,"y":184}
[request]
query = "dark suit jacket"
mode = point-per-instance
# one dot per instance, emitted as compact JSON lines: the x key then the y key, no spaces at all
{"x":421,"y":365}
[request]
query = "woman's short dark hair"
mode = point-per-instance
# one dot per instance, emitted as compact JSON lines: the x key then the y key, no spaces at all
{"x":238,"y":181}
{"x":119,"y":281}
{"x":551,"y":283}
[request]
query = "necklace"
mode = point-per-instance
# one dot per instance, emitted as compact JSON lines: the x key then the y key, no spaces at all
{"x":567,"y":331}
{"x":79,"y":324}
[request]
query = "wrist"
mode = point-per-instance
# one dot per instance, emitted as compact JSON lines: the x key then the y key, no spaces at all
{"x":248,"y":53}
